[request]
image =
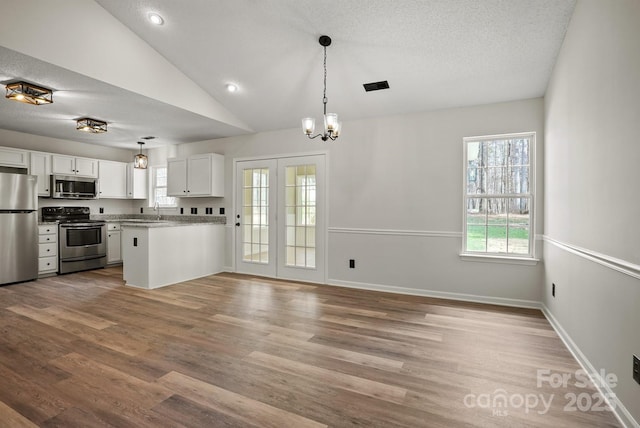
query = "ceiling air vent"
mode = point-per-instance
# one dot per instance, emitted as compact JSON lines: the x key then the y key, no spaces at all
{"x":376,"y":86}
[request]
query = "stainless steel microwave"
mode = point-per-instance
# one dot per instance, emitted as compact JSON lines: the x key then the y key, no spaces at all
{"x":71,"y":187}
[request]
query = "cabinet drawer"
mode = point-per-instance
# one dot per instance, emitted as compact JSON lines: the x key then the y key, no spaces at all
{"x":45,"y":229}
{"x":45,"y":239}
{"x":113,"y":226}
{"x":47,"y":264}
{"x":46,"y":250}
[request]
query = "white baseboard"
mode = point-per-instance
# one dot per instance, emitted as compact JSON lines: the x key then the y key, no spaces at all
{"x":438,"y":294}
{"x":621,"y":412}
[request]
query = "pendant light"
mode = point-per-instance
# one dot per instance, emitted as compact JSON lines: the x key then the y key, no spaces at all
{"x":140,"y":161}
{"x":331,"y":124}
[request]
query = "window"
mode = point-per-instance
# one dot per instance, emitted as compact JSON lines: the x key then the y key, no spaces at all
{"x":159,"y":188}
{"x":498,"y":195}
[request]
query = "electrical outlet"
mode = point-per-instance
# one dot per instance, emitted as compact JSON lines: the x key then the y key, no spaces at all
{"x":352,"y":264}
{"x":221,"y":211}
{"x":553,"y":289}
{"x":181,"y":210}
{"x":636,"y":369}
{"x":141,"y":210}
{"x":101,"y":210}
{"x":194,"y":210}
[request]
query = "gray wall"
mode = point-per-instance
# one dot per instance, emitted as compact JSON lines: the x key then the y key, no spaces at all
{"x":400,"y":178}
{"x":592,"y":156}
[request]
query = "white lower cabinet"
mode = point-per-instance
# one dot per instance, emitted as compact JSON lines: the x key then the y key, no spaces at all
{"x":114,"y":244}
{"x":47,"y":249}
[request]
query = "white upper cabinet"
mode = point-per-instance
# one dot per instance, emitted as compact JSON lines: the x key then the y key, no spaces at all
{"x":113,"y":179}
{"x":196,"y":175}
{"x":40,"y":165}
{"x":177,"y":177}
{"x":69,"y":165}
{"x":14,"y":157}
{"x":136,"y":182}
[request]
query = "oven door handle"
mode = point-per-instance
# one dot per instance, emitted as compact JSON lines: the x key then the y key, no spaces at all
{"x":82,"y":227}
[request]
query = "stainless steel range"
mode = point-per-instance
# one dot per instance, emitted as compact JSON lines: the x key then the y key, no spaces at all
{"x":82,"y":241}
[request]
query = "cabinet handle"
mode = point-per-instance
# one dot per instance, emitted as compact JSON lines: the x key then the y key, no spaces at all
{"x":48,"y":249}
{"x":48,"y":264}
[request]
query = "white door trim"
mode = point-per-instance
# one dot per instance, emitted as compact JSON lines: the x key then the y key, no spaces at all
{"x":325,"y":153}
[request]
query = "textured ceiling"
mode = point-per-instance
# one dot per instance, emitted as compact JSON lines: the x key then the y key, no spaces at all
{"x":434,"y":53}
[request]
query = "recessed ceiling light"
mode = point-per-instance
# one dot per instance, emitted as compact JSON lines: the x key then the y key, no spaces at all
{"x":155,"y":19}
{"x":232,"y":87}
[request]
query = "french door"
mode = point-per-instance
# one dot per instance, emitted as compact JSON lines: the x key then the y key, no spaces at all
{"x":280,"y":217}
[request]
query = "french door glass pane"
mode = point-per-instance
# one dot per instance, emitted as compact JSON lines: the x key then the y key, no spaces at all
{"x":255,"y":213}
{"x":300,"y":206}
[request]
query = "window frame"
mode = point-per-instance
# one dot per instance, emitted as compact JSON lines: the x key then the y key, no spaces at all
{"x":493,"y":255}
{"x":153,"y":186}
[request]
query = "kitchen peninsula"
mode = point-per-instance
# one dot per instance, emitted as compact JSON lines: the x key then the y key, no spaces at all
{"x":157,"y":253}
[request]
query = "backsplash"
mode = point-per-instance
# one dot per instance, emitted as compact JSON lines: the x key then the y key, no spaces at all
{"x":110,"y":206}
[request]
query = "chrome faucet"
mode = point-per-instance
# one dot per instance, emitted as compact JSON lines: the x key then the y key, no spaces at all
{"x":156,"y":207}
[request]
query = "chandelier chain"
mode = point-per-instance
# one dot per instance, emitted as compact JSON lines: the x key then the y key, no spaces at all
{"x":324,"y":94}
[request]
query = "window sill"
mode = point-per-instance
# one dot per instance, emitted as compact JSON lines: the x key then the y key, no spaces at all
{"x":486,"y":258}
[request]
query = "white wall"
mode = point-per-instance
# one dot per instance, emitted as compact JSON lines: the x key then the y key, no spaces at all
{"x":395,"y":174}
{"x":592,"y":156}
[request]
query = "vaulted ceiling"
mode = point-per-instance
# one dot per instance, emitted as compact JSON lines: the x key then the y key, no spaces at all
{"x":105,"y":60}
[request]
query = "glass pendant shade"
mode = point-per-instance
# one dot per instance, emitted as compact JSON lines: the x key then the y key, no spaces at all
{"x":330,"y":122}
{"x":336,"y":132}
{"x":308,"y":125}
{"x":140,"y":161}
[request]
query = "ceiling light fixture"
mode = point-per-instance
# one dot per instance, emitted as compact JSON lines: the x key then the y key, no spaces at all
{"x":232,"y":87}
{"x":28,"y":93}
{"x":93,"y":126}
{"x":155,"y":19}
{"x":331,"y":124}
{"x":140,"y":161}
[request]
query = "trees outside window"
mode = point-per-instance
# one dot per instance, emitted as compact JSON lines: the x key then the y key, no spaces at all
{"x":498,"y":195}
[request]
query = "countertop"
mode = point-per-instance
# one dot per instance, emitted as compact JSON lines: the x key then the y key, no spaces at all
{"x":164,"y":223}
{"x":167,"y":220}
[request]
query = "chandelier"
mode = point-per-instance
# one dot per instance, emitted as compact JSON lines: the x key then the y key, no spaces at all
{"x":331,"y":124}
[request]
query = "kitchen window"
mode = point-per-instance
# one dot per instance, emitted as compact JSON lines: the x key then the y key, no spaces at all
{"x":499,"y":196}
{"x":159,"y":188}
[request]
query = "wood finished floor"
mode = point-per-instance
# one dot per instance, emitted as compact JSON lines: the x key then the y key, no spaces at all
{"x":82,"y":350}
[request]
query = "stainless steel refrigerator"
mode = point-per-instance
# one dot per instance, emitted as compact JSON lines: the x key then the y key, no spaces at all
{"x":18,"y":228}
